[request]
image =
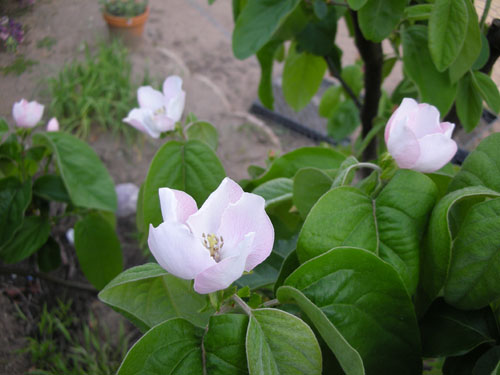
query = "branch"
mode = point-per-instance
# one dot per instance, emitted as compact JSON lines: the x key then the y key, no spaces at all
{"x":373,"y":58}
{"x":335,"y":73}
{"x":7,"y":270}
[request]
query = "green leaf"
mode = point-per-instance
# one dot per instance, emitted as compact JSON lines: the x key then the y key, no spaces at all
{"x":347,"y":291}
{"x":437,"y":246}
{"x":309,"y":185}
{"x":4,"y":127}
{"x":320,"y":9}
{"x":388,"y":65}
{"x":86,"y":179}
{"x":266,"y":60}
{"x":171,"y":347}
{"x":378,"y":18}
{"x":49,"y":256}
{"x":290,"y":264}
{"x":434,"y":87}
{"x":257,"y":22}
{"x":488,"y":363}
{"x":191,"y":167}
{"x":468,"y":103}
{"x":447,"y":31}
{"x":418,"y":12}
{"x":98,"y":250}
{"x":353,"y":77}
{"x":224,"y":345}
{"x":345,"y":119}
{"x":464,"y":364}
{"x":34,"y":232}
{"x":356,"y":4}
{"x":288,"y":164}
{"x":390,"y":227}
{"x":329,"y":101}
{"x":302,"y":76}
{"x":275,"y":191}
{"x":474,"y":273}
{"x":14,"y":199}
{"x":471,"y":47}
{"x":148,"y":295}
{"x":481,"y":167}
{"x":203,"y":131}
{"x":280,"y":343}
{"x":483,"y":55}
{"x":51,"y":187}
{"x":488,"y":90}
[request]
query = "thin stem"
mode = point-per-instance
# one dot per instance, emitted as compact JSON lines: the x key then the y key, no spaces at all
{"x":271,"y":303}
{"x":335,"y":73}
{"x":242,"y":304}
{"x":485,"y":14}
{"x":7,"y":270}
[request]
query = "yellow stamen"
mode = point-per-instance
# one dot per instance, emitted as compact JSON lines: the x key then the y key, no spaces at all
{"x":214,"y":244}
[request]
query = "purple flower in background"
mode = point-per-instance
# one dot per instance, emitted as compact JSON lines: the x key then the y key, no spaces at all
{"x":11,"y":29}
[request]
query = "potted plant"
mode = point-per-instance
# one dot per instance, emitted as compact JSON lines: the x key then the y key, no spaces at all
{"x":125,"y":18}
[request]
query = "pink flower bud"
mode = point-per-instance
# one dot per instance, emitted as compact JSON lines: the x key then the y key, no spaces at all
{"x":53,"y":125}
{"x":27,"y":114}
{"x":417,"y":140}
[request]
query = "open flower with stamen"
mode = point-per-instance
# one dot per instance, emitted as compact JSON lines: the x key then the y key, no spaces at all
{"x":158,"y":112}
{"x":231,"y":233}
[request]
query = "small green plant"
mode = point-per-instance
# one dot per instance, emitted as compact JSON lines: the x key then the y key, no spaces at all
{"x":18,"y":66}
{"x":124,"y":8}
{"x":97,"y":90}
{"x":48,"y":42}
{"x":64,"y":344}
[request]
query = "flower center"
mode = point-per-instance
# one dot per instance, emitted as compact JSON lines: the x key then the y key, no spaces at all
{"x":214,"y":244}
{"x":160,"y":111}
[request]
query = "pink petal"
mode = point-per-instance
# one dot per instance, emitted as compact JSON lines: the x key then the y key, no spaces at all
{"x":53,"y":125}
{"x":136,"y":118}
{"x":424,"y":120}
{"x":208,"y":218}
{"x":163,"y":123}
{"x":223,"y":274}
{"x":403,"y":145}
{"x":172,"y":87}
{"x":245,"y":216}
{"x":27,"y":114}
{"x":447,"y":128}
{"x":176,"y":205}
{"x":175,"y":106}
{"x":178,"y":251}
{"x":150,"y":98}
{"x":406,"y":107}
{"x":435,"y":151}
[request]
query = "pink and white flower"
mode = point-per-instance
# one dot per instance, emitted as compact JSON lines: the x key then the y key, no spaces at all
{"x":231,"y":233}
{"x":27,"y":114}
{"x":53,"y":125}
{"x":158,"y":112}
{"x":417,"y":140}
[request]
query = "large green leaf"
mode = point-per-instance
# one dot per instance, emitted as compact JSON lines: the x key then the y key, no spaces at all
{"x":469,"y":103}
{"x":33,"y":233}
{"x":447,"y":31}
{"x":447,"y":331}
{"x":390,"y":226}
{"x":224,"y":345}
{"x":309,"y":185}
{"x":470,"y":49}
{"x":330,"y":101}
{"x":488,"y":363}
{"x":434,"y":87}
{"x":148,"y":295}
{"x":15,"y":197}
{"x":86,"y":179}
{"x":288,"y":164}
{"x":265,"y":55}
{"x":437,"y":246}
{"x":275,"y":191}
{"x":51,"y":187}
{"x":98,"y":250}
{"x":474,"y":273}
{"x":280,"y":343}
{"x":204,"y":132}
{"x":356,"y":4}
{"x":378,"y":18}
{"x":191,"y":167}
{"x":488,"y":90}
{"x":302,"y":76}
{"x":344,"y":120}
{"x":347,"y":291}
{"x":481,"y":167}
{"x":172,"y":347}
{"x":257,"y":23}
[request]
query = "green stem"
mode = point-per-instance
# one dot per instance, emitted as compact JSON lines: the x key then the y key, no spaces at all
{"x":242,"y":304}
{"x":485,"y":14}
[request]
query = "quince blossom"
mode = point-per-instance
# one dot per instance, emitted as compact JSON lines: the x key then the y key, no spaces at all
{"x":53,"y":125}
{"x":158,"y":112}
{"x":27,"y":114}
{"x":417,"y":140}
{"x":229,"y":234}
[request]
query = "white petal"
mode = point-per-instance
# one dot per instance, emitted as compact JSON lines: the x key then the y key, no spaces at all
{"x":435,"y":151}
{"x":176,"y":205}
{"x":447,"y":128}
{"x":172,"y":87}
{"x":175,"y":106}
{"x":163,"y":123}
{"x":403,"y":145}
{"x":178,"y":251}
{"x":406,"y":107}
{"x":245,"y":216}
{"x":223,"y":274}
{"x":208,"y":218}
{"x":27,"y":114}
{"x":140,"y":118}
{"x":424,"y":120}
{"x":150,"y":98}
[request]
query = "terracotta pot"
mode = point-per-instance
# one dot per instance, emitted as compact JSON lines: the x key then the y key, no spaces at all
{"x":128,"y":28}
